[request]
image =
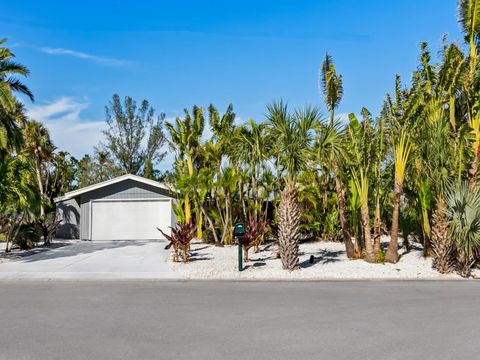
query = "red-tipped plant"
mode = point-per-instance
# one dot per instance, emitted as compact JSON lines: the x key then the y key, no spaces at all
{"x":255,"y":229}
{"x":180,"y":239}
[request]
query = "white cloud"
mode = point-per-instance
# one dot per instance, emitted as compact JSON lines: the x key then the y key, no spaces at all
{"x":68,"y":130}
{"x":82,"y":55}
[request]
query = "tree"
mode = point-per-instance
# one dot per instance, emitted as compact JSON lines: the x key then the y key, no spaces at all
{"x":331,"y":85}
{"x":130,"y":127}
{"x":401,"y":153}
{"x":12,"y":115}
{"x":19,"y":197}
{"x":294,"y":135}
{"x":38,"y":145}
{"x":185,"y":140}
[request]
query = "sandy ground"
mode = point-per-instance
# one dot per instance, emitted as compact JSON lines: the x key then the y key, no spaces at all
{"x":331,"y":263}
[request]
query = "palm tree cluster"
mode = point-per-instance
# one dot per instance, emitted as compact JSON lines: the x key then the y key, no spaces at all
{"x":410,"y":172}
{"x":31,"y":172}
{"x":352,"y":180}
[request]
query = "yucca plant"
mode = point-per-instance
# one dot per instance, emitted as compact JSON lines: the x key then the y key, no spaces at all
{"x":463,"y":212}
{"x":180,"y":239}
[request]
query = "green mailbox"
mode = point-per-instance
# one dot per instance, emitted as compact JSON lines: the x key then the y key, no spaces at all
{"x":239,"y":230}
{"x":239,"y":233}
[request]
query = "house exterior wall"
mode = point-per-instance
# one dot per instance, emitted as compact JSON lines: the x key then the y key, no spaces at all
{"x":128,"y":190}
{"x":68,"y":212}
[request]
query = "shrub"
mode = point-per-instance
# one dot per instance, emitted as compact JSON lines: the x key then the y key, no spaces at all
{"x":255,"y":229}
{"x":180,"y":239}
{"x":463,"y":211}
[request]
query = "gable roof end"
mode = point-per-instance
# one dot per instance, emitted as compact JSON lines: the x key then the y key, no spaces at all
{"x":102,"y":184}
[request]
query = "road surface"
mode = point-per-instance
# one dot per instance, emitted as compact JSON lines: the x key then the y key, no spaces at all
{"x":239,"y":320}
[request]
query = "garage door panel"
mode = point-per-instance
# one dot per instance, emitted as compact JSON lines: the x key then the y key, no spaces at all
{"x":130,"y":220}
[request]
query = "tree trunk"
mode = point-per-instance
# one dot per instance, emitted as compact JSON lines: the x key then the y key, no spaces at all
{"x":40,"y":187}
{"x":442,"y":248}
{"x":392,"y":253}
{"x":369,"y":256}
{"x":376,"y":230}
{"x":289,"y":228}
{"x":210,"y":225}
{"x":343,"y":214}
{"x":472,"y":172}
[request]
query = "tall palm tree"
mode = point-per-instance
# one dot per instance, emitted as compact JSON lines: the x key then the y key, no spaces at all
{"x":469,"y":18}
{"x":9,"y":84}
{"x":185,"y":140}
{"x":331,"y":85}
{"x":252,"y":145}
{"x":11,"y":111}
{"x":362,"y":185}
{"x":38,"y":145}
{"x":401,"y":153}
{"x":294,"y":135}
{"x":329,"y":152}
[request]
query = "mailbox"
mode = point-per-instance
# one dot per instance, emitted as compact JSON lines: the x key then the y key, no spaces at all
{"x":239,"y":230}
{"x":239,"y":233}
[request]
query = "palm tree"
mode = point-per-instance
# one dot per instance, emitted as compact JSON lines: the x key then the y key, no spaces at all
{"x":40,"y":147}
{"x":329,"y":152}
{"x":401,"y":153}
{"x":469,"y":18}
{"x":294,"y":135}
{"x":331,"y":85}
{"x":11,"y":110}
{"x":9,"y":84}
{"x":362,"y":185}
{"x":19,"y":198}
{"x":252,"y":145}
{"x":463,"y":212}
{"x":185,"y":139}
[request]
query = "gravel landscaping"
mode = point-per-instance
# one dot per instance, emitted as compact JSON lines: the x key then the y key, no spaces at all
{"x":330,"y":263}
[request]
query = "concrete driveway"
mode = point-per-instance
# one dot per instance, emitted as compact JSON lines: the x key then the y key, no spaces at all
{"x":93,"y":260}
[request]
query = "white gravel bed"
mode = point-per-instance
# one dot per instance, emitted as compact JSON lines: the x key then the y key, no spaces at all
{"x":331,"y":263}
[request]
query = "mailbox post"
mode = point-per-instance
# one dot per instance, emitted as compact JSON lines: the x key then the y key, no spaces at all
{"x":239,"y":233}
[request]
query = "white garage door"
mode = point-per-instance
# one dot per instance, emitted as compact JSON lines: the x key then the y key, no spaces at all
{"x":130,"y":220}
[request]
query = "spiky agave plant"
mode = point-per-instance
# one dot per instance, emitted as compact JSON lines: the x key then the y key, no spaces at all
{"x":463,"y":212}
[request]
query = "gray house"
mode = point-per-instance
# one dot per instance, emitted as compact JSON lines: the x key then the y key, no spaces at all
{"x":128,"y":207}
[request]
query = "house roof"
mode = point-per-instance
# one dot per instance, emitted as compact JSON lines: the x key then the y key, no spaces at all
{"x":118,"y":179}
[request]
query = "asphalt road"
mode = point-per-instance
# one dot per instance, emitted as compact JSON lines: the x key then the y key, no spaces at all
{"x":239,"y":320}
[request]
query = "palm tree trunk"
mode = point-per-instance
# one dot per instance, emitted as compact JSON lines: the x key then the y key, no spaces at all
{"x":289,"y":227}
{"x":392,"y":253}
{"x":40,"y":186}
{"x":369,"y":256}
{"x":472,"y":173}
{"x":376,"y":230}
{"x":343,"y":215}
{"x":210,"y":224}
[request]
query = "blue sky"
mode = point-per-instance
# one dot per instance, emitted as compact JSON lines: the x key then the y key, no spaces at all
{"x":180,"y":53}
